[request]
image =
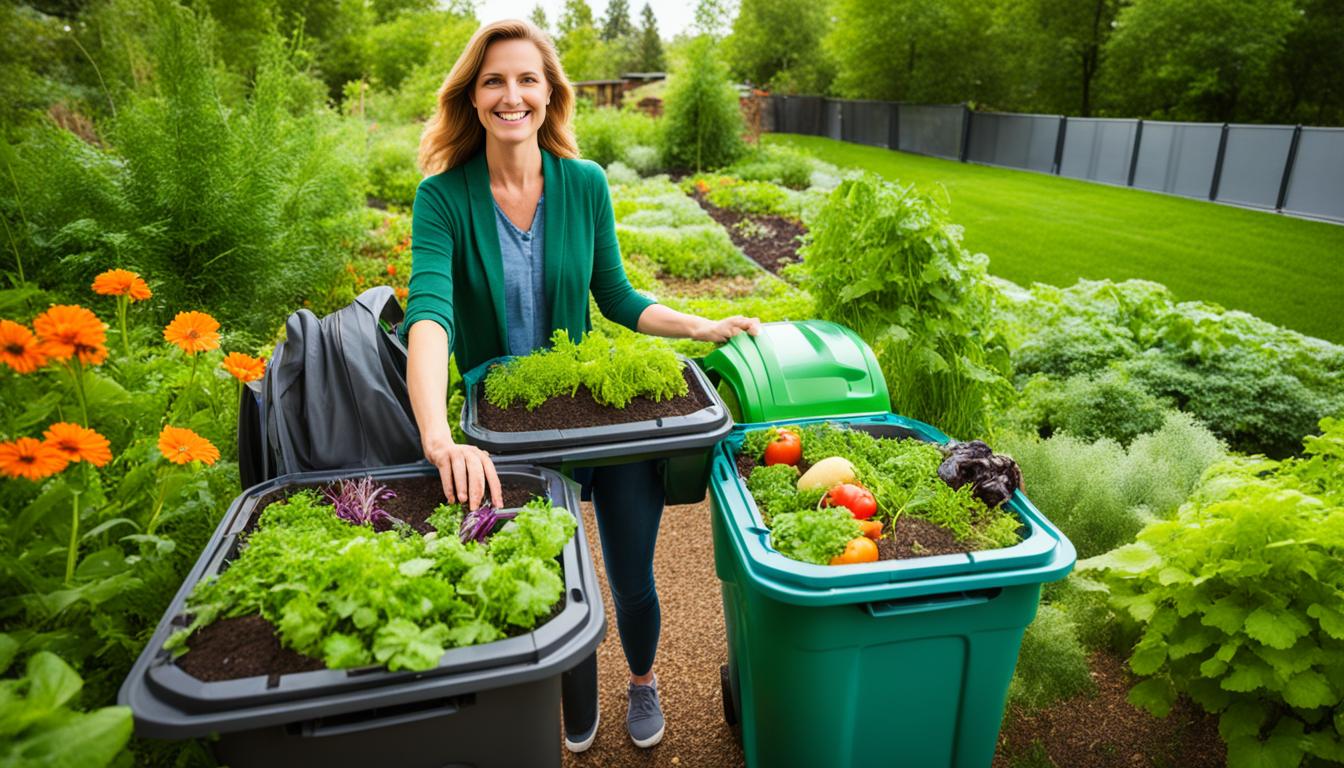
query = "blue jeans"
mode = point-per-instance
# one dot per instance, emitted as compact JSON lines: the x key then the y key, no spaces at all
{"x":628,"y":503}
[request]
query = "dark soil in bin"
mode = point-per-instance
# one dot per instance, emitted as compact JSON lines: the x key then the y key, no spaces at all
{"x":582,"y":410}
{"x":913,"y":537}
{"x":774,"y":250}
{"x":248,"y":646}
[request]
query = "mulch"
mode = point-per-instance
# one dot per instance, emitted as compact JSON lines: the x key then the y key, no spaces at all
{"x":582,"y":410}
{"x":777,"y":245}
{"x":1106,"y":731}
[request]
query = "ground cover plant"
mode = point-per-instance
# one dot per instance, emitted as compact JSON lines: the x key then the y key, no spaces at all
{"x":1041,"y":228}
{"x":820,"y":488}
{"x":40,"y":724}
{"x":336,"y":588}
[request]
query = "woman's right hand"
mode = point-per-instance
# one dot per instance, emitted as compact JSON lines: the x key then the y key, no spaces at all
{"x":466,"y":471}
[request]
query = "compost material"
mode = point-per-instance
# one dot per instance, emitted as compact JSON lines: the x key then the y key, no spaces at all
{"x":992,"y":476}
{"x":918,"y":538}
{"x":582,"y":410}
{"x":243,"y":646}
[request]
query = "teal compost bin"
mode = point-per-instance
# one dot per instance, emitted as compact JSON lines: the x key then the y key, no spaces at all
{"x":892,"y":663}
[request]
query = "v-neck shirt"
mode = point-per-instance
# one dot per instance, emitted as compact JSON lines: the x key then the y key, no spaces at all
{"x":524,"y":285}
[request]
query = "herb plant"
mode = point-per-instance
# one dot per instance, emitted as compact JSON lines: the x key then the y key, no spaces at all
{"x":356,"y":501}
{"x":1240,"y":604}
{"x":615,"y":369}
{"x":352,"y":597}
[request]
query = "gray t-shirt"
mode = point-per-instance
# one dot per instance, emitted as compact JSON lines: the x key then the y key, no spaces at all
{"x":524,"y":288}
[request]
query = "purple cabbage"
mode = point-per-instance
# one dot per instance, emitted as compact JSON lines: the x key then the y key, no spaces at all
{"x":479,"y":524}
{"x":357,"y":502}
{"x":993,"y":477}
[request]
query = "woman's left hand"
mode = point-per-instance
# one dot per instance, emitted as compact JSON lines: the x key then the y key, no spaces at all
{"x":726,"y":328}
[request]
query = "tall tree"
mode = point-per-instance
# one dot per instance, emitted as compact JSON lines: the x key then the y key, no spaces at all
{"x":616,"y":24}
{"x":581,"y":51}
{"x":538,"y":18}
{"x":712,"y":17}
{"x":1306,"y":85}
{"x":1052,"y":50}
{"x":650,"y":48}
{"x":778,"y":43}
{"x":1194,"y":59}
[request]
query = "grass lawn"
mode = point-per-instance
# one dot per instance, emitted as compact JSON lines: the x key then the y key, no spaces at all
{"x":1041,"y":228}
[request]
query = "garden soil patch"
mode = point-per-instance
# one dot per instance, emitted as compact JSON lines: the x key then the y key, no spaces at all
{"x":1106,"y":731}
{"x":917,"y":538}
{"x":776,"y":245}
{"x":735,"y":287}
{"x":582,"y":410}
{"x":244,"y":646}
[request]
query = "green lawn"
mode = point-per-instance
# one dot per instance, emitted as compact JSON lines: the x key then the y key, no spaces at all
{"x":1036,"y":227}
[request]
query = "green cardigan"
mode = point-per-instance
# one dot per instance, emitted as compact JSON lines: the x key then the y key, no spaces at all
{"x":457,"y":273}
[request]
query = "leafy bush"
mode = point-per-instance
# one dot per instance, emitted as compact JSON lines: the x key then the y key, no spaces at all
{"x":643,"y":158}
{"x":1051,"y":665}
{"x":393,"y":177}
{"x":750,"y":197}
{"x":620,"y":173}
{"x":1100,"y":494}
{"x":1240,"y":604}
{"x":775,"y":163}
{"x":607,"y":134}
{"x":615,"y":369}
{"x":1088,"y":407}
{"x":702,"y":122}
{"x":39,"y":724}
{"x":687,"y":251}
{"x":885,"y":261}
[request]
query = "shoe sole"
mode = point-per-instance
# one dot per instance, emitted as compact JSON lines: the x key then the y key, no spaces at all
{"x":582,"y":746}
{"x":651,"y":741}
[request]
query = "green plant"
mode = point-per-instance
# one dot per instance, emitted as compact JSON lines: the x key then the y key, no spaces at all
{"x":776,"y":164}
{"x":38,"y":724}
{"x":884,"y":261}
{"x":1240,"y":604}
{"x":813,"y":535}
{"x":607,"y":134}
{"x":750,"y":197}
{"x":393,"y":177}
{"x":702,"y":123}
{"x":1051,"y":665}
{"x":615,"y":369}
{"x":1088,"y":407}
{"x":688,"y":251}
{"x":336,"y":591}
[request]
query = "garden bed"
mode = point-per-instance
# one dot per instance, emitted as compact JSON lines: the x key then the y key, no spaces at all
{"x":769,"y":240}
{"x":583,"y":410}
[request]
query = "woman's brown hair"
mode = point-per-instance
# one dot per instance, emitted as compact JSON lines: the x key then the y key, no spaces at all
{"x":455,"y":133}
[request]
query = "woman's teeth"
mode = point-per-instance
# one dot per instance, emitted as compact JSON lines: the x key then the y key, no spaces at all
{"x":511,"y":117}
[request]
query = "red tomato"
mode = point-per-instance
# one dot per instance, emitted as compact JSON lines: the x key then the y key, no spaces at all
{"x":858,"y":499}
{"x":786,"y":448}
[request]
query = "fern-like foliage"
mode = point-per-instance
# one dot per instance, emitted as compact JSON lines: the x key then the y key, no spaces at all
{"x":616,"y":369}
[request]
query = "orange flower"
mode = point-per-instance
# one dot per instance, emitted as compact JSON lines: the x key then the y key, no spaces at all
{"x":180,"y":446}
{"x":193,"y":332}
{"x":68,"y":329}
{"x":30,"y":458}
{"x":19,"y":348}
{"x":243,"y":367}
{"x":402,"y":293}
{"x":121,"y":282}
{"x":78,"y":443}
{"x":391,"y":269}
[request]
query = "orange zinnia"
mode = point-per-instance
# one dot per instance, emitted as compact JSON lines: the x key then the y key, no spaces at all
{"x":180,"y":446}
{"x":78,"y":443}
{"x":19,"y":348}
{"x":193,"y":332}
{"x":30,"y":458}
{"x":243,"y":367}
{"x":68,"y":329}
{"x":121,"y":282}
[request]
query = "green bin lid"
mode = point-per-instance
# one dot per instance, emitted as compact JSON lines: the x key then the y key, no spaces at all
{"x":798,"y":370}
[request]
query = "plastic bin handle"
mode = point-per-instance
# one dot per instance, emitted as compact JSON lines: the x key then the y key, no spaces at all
{"x":931,"y":603}
{"x":386,"y":718}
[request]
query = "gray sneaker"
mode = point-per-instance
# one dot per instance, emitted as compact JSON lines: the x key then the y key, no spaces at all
{"x":644,"y":718}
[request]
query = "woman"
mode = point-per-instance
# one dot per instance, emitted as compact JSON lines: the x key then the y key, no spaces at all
{"x":511,"y":231}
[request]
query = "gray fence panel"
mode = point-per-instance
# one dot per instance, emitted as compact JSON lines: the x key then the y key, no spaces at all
{"x":1098,"y":149}
{"x":832,"y":110}
{"x":1178,"y":158}
{"x":803,"y":114}
{"x":866,"y":122}
{"x":1253,"y":164}
{"x":932,"y":130}
{"x":1316,"y":187}
{"x":1015,"y":141}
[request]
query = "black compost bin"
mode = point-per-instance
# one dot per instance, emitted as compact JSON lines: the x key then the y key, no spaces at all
{"x":496,"y":704}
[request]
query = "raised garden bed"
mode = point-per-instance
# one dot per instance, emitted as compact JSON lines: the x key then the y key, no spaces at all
{"x":769,"y":240}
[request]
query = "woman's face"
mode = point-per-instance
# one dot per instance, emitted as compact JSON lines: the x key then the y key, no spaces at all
{"x":511,"y":91}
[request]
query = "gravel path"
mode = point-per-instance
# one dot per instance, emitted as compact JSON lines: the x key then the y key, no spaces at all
{"x":692,"y":647}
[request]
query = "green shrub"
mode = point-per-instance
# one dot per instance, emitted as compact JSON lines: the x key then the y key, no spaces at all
{"x":1099,"y":493}
{"x":1052,"y":665}
{"x":643,"y":158}
{"x":688,"y":251}
{"x":607,"y":134}
{"x":393,"y":177}
{"x":1072,"y":347}
{"x":776,"y":164}
{"x":1088,"y":407}
{"x":620,"y":173}
{"x":751,"y":197}
{"x":1240,"y":604}
{"x":702,"y":122}
{"x":886,"y":262}
{"x":673,"y":210}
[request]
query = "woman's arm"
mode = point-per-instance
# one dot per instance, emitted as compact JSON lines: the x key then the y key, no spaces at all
{"x":659,"y":320}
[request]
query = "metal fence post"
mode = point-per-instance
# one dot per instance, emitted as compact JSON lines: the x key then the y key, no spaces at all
{"x":1059,"y":144}
{"x":894,"y":126}
{"x":1288,"y":169}
{"x":1218,"y":164}
{"x":965,"y":131}
{"x":1134,"y":156}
